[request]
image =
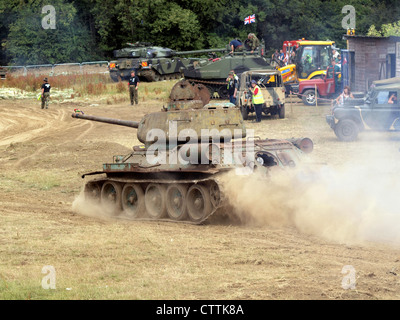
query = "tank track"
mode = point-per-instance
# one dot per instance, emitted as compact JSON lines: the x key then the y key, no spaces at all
{"x":179,"y":201}
{"x":152,"y":75}
{"x":217,"y":89}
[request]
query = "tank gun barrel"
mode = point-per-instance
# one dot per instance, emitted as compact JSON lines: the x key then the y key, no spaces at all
{"x":200,"y":51}
{"x":126,"y":123}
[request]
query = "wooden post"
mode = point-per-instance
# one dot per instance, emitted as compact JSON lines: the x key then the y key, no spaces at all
{"x":316,"y":99}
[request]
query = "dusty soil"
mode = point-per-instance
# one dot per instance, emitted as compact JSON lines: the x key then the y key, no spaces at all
{"x":304,"y":234}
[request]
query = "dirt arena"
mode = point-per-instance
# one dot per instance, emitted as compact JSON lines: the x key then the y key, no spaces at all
{"x":328,"y":233}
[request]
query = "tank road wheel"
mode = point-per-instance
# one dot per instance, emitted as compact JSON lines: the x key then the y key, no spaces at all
{"x":155,"y":201}
{"x":156,"y":76}
{"x":176,"y":201}
{"x":133,"y":200}
{"x":92,"y":191}
{"x":223,"y":92}
{"x":346,"y":130}
{"x":215,"y":195}
{"x":198,"y":203}
{"x":309,"y":98}
{"x":111,"y":197}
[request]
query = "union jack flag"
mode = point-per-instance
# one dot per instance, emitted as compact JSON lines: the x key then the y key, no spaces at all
{"x":250,"y":19}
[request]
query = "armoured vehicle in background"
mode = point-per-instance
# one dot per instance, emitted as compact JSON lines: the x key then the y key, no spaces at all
{"x":188,"y":146}
{"x":272,"y":87}
{"x":3,"y":72}
{"x":151,"y":63}
{"x":213,"y":72}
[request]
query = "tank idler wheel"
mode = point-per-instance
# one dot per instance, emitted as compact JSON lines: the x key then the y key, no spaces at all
{"x":155,"y":201}
{"x":92,"y":191}
{"x":198,"y":203}
{"x":133,"y":200}
{"x":111,"y":197}
{"x":176,"y":201}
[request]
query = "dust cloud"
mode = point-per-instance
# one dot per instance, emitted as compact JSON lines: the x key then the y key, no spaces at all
{"x":349,"y":204}
{"x":90,"y":208}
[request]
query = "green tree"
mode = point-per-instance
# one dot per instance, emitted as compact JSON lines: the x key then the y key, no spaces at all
{"x":29,"y":43}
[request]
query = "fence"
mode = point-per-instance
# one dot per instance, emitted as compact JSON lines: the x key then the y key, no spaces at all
{"x":59,"y":68}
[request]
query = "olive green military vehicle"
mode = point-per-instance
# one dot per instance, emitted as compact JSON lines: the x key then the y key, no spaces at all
{"x":151,"y":63}
{"x":272,"y":87}
{"x":187,"y":147}
{"x":213,"y":72}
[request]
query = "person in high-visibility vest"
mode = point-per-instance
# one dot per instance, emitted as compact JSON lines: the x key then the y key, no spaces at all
{"x":258,"y":100}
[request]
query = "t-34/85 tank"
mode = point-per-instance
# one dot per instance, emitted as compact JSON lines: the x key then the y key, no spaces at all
{"x":188,"y":145}
{"x":213,"y":72}
{"x":151,"y":63}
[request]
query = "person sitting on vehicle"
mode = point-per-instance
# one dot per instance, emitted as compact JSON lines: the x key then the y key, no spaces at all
{"x":346,"y":94}
{"x":393,"y":98}
{"x":236,"y":45}
{"x":253,"y":42}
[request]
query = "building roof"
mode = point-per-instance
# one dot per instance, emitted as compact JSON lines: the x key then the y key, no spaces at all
{"x":348,"y":37}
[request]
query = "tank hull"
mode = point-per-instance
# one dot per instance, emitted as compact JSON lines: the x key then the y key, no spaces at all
{"x":189,"y":193}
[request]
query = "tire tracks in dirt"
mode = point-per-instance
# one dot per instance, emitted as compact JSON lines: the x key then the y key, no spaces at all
{"x":30,"y":124}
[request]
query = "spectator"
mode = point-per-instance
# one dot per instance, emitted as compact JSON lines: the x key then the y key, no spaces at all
{"x":232,"y":86}
{"x":346,"y":94}
{"x":258,"y":100}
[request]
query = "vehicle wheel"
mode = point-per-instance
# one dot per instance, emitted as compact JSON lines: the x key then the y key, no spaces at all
{"x":92,"y":191}
{"x":198,"y":202}
{"x":215,"y":194}
{"x":133,"y":200}
{"x":155,"y":201}
{"x":176,"y":201}
{"x":346,"y":130}
{"x":281,"y":112}
{"x":111,"y":197}
{"x":223,"y":92}
{"x":212,"y":91}
{"x":309,"y":98}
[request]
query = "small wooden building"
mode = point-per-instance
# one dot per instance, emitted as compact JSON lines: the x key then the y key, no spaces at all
{"x":369,"y":59}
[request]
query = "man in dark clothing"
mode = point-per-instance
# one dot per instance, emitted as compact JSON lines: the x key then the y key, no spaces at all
{"x":236,"y":45}
{"x":232,"y":87}
{"x":133,"y":87}
{"x":45,"y":93}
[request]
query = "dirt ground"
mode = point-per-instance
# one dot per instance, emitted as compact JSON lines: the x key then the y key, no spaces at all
{"x":332,"y":236}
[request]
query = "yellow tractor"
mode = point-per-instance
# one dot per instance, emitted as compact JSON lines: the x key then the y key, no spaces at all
{"x":311,"y":60}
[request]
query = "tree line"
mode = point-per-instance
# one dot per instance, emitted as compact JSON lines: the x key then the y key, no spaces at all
{"x":88,"y":30}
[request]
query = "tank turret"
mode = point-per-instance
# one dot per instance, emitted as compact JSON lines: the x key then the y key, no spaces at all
{"x":187,"y":145}
{"x":213,"y":72}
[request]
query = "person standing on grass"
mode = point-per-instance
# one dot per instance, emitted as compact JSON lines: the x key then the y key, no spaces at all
{"x":258,"y":100}
{"x":133,"y":87}
{"x":45,"y":93}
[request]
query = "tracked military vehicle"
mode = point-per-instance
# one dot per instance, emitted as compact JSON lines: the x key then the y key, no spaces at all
{"x":151,"y":63}
{"x":213,"y":72}
{"x":187,"y":147}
